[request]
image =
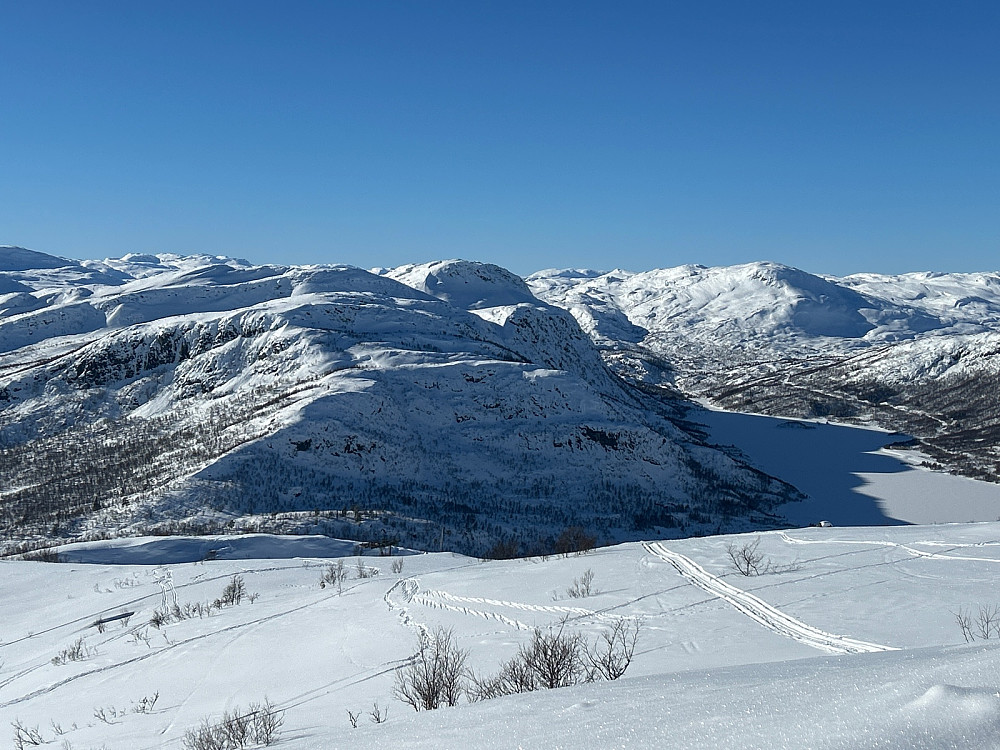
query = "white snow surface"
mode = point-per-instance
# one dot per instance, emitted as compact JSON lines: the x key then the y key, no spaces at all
{"x":722,"y":660}
{"x":769,"y":304}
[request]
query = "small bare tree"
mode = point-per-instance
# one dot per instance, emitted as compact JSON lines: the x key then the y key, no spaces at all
{"x":613,"y":653}
{"x":233,"y":593}
{"x":985,"y":624}
{"x":988,"y":621}
{"x":334,"y":575}
{"x":583,"y":586}
{"x":747,"y":559}
{"x":964,"y":620}
{"x":25,"y":736}
{"x":436,"y":675}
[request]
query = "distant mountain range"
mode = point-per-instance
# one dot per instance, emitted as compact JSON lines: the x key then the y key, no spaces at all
{"x":452,"y":404}
{"x":914,"y":352}
{"x":437,"y":405}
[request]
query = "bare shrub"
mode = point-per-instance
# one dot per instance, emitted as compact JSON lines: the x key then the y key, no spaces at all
{"x":109,"y":714}
{"x":583,"y":586}
{"x":145,"y":704}
{"x":334,"y":575}
{"x":964,"y":620}
{"x":233,"y":593}
{"x":553,"y":659}
{"x":363,"y":571}
{"x":378,"y":715}
{"x":558,"y":659}
{"x":77,"y":651}
{"x":613,"y":653}
{"x":504,"y":549}
{"x":258,"y":725}
{"x":436,"y":676}
{"x":747,"y":559}
{"x":984,"y":624}
{"x":988,"y":621}
{"x":353,"y":718}
{"x":397,"y":565}
{"x":158,"y":619}
{"x":25,"y":736}
{"x":575,"y":540}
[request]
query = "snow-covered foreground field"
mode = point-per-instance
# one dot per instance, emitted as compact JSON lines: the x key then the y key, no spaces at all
{"x":848,"y":641}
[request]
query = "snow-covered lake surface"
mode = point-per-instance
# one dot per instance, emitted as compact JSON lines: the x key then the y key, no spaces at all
{"x":848,"y":475}
{"x":848,"y":641}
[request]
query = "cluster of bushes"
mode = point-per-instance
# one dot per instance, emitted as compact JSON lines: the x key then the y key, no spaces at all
{"x":555,"y":658}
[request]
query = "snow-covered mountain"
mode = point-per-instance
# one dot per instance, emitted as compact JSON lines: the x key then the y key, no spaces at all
{"x":913,"y":352}
{"x":438,"y":404}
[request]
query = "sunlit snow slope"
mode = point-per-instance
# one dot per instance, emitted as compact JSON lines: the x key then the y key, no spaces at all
{"x":848,"y":639}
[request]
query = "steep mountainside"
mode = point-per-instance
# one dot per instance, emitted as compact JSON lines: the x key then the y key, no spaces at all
{"x":914,"y":352}
{"x":440,"y":405}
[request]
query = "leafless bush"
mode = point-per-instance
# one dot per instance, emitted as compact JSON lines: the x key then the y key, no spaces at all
{"x":258,"y":725}
{"x":233,"y":593}
{"x":747,"y":559}
{"x":553,"y":659}
{"x":353,"y":718}
{"x":559,"y":659}
{"x":964,"y":620}
{"x":985,"y":624}
{"x":25,"y":736}
{"x":575,"y":540}
{"x":583,"y":586}
{"x":363,"y":571}
{"x":334,"y":575}
{"x":145,"y":704}
{"x":397,"y":565}
{"x":378,"y":715}
{"x":158,"y":619}
{"x":436,"y":676}
{"x":109,"y":714}
{"x":988,"y":621}
{"x":613,"y":653}
{"x":77,"y":651}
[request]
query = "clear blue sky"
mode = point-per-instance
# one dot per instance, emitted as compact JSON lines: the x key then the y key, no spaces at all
{"x":834,"y":136}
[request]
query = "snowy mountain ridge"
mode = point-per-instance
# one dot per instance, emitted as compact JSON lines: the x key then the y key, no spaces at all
{"x":911,"y":352}
{"x":159,"y":394}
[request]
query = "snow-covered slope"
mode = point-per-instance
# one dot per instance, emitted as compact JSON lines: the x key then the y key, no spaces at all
{"x":848,"y":640}
{"x":913,"y":352}
{"x":160,"y":393}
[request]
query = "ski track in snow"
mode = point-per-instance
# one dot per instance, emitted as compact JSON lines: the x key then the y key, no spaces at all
{"x":433,"y":599}
{"x":760,"y":611}
{"x":906,"y":548}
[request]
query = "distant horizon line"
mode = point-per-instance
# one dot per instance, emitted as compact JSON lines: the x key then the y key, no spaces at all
{"x":578,"y":269}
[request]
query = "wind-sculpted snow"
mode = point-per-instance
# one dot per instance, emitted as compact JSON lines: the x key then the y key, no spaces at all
{"x":439,"y":405}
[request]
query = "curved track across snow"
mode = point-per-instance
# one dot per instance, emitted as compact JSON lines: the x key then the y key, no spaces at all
{"x":759,"y":610}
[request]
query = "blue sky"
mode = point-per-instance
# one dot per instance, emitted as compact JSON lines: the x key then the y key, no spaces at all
{"x":833,"y":136}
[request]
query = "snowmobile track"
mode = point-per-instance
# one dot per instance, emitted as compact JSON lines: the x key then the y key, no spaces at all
{"x":760,"y":611}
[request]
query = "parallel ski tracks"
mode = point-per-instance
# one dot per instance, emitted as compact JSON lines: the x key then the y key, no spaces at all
{"x":760,"y":611}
